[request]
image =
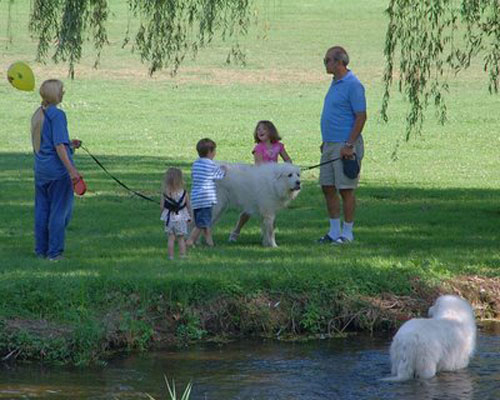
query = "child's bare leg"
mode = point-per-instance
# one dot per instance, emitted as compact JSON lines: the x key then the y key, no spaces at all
{"x":208,"y":236}
{"x":195,"y":234}
{"x":243,"y":219}
{"x":171,"y":244}
{"x":182,"y":246}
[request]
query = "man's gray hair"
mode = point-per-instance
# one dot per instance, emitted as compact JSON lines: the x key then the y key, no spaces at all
{"x":339,"y":54}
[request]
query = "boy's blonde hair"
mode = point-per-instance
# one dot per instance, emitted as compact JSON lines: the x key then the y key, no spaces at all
{"x":50,"y":91}
{"x":172,"y":181}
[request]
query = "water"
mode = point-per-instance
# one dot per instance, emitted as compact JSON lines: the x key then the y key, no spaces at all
{"x":329,"y":369}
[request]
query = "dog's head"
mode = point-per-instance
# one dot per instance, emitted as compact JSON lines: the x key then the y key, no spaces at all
{"x":452,"y":307}
{"x":290,"y":175}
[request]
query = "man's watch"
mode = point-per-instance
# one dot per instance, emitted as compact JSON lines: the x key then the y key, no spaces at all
{"x":349,"y":145}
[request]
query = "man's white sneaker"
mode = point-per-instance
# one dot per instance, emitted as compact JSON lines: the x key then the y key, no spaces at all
{"x":342,"y":240}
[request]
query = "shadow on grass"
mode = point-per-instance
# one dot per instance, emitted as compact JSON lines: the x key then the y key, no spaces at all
{"x":448,"y":229}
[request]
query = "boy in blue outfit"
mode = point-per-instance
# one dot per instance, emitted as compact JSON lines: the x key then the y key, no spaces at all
{"x":55,"y":172}
{"x":204,"y":173}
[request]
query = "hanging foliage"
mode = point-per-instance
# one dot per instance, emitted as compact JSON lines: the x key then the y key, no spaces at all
{"x":168,"y":29}
{"x":65,"y":23}
{"x":431,"y":38}
{"x":9,"y":23}
{"x":172,"y":28}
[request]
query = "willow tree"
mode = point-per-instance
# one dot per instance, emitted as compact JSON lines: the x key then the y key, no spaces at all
{"x":168,"y":29}
{"x":427,"y":37}
{"x":431,"y":38}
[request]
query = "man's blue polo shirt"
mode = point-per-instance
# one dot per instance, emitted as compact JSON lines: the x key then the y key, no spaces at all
{"x":344,"y":99}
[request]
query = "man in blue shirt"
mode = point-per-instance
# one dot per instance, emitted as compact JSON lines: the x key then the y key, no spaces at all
{"x":342,"y":120}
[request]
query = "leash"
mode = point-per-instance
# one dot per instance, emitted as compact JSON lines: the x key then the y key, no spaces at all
{"x":142,"y":196}
{"x":115,"y":178}
{"x":320,"y":164}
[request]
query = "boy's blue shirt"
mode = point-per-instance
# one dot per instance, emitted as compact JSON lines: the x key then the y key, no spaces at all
{"x":54,"y":132}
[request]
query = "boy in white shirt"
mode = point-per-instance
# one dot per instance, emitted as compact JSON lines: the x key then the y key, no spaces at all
{"x":204,"y":173}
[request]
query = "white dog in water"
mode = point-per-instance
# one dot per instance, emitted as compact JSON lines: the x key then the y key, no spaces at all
{"x":258,"y":190}
{"x":443,"y":342}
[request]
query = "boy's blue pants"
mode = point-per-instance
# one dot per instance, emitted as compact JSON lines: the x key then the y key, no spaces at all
{"x":53,"y":209}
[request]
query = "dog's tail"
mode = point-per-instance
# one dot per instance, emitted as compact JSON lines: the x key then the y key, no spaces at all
{"x":403,"y":358}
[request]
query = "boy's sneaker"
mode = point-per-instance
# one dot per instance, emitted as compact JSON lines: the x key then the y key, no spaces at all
{"x":57,"y":258}
{"x":233,"y":237}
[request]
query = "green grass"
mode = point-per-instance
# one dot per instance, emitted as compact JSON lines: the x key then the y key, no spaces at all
{"x":431,"y":214}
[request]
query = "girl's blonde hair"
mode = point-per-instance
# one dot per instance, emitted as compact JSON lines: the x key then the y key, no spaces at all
{"x":50,"y":91}
{"x":172,"y":181}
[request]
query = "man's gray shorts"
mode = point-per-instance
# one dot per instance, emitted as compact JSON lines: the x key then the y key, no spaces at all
{"x":332,"y":174}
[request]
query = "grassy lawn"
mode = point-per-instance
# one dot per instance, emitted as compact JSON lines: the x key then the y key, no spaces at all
{"x":432,"y":214}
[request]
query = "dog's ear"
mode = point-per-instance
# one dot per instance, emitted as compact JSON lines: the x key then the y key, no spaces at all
{"x":278,"y":175}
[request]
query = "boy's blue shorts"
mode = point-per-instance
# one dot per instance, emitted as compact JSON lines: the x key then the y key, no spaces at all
{"x":203,"y":217}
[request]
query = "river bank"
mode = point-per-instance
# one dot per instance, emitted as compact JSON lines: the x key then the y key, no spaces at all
{"x":139,"y":321}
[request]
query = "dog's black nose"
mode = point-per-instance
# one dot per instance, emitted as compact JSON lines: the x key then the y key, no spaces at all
{"x":297,"y":183}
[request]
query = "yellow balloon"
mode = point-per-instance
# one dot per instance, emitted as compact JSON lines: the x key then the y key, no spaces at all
{"x":21,"y":76}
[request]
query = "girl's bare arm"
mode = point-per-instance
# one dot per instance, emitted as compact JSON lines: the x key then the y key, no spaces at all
{"x":284,"y":155}
{"x":188,"y":205}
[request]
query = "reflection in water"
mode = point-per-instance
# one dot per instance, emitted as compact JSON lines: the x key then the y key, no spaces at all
{"x":453,"y":386}
{"x":334,"y":369}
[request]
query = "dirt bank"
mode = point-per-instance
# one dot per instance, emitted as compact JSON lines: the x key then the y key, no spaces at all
{"x":277,"y":315}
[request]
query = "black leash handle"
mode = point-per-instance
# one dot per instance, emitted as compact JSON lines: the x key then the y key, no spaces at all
{"x":320,"y":164}
{"x":116,"y":179}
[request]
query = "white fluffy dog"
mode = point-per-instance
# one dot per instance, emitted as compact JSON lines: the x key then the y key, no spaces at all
{"x":443,"y":342}
{"x":258,"y":190}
